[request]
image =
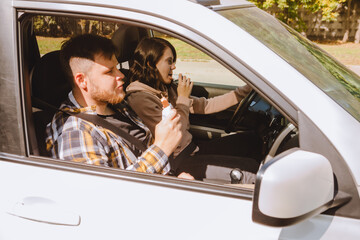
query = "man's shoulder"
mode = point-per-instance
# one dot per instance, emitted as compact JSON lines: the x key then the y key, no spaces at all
{"x":66,"y":120}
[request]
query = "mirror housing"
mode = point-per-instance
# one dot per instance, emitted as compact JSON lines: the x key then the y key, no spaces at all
{"x":293,"y":186}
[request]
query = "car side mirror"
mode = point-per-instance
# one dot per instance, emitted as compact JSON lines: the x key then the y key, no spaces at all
{"x":294,"y":186}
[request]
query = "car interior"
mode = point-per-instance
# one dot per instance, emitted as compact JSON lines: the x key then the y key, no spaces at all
{"x":266,"y":131}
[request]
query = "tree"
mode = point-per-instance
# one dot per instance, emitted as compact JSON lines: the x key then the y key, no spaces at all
{"x":347,"y":25}
{"x":65,"y":26}
{"x":289,"y":11}
{"x":351,"y":11}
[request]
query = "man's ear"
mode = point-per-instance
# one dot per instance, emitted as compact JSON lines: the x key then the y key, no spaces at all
{"x":80,"y":80}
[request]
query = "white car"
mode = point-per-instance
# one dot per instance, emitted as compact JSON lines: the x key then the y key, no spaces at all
{"x":303,"y":120}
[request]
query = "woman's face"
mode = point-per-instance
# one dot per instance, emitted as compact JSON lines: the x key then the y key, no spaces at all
{"x":165,"y":66}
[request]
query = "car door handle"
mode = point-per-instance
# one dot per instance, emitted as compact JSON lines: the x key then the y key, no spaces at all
{"x":44,"y":210}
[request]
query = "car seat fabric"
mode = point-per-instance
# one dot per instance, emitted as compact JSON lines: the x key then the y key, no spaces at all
{"x":49,"y":82}
{"x":50,"y":85}
{"x":126,"y":39}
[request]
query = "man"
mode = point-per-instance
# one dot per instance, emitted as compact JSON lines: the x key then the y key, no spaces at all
{"x":97,"y":88}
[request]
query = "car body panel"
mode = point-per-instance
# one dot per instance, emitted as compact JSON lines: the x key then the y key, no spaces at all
{"x":327,"y":227}
{"x":255,"y":56}
{"x":101,"y":200}
{"x":271,"y":79}
{"x":108,"y":201}
{"x":11,"y":140}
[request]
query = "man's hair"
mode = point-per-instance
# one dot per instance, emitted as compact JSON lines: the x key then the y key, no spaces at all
{"x":85,"y":46}
{"x":147,"y":55}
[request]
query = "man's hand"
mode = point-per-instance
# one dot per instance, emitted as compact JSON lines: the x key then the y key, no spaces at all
{"x":185,"y":86}
{"x":167,"y":133}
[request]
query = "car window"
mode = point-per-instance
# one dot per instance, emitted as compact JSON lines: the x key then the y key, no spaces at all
{"x":319,"y":67}
{"x":214,"y":79}
{"x":51,"y":31}
{"x":261,"y":125}
{"x":199,"y":66}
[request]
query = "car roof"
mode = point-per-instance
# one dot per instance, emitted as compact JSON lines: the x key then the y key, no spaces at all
{"x":212,"y":4}
{"x":185,"y":13}
{"x":222,"y":4}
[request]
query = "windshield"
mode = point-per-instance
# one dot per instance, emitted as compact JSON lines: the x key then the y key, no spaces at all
{"x":329,"y":75}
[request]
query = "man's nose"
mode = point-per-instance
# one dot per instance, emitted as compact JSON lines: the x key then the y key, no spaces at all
{"x":119,"y":75}
{"x":173,"y":66}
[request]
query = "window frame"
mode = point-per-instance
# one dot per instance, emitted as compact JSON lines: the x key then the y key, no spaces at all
{"x":47,"y":162}
{"x":191,"y":36}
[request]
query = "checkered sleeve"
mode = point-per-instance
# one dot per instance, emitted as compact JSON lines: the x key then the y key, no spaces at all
{"x":153,"y":160}
{"x":80,"y":146}
{"x":73,"y":139}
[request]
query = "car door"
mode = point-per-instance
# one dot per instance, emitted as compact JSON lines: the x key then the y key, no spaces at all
{"x":47,"y":198}
{"x":272,"y":78}
{"x":325,"y":226}
{"x":43,"y":202}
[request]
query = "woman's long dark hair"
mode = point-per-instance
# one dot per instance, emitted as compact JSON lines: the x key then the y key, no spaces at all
{"x":147,"y":55}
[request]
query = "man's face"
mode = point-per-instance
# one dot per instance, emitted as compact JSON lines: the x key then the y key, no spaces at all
{"x":105,"y":80}
{"x":166,"y":66}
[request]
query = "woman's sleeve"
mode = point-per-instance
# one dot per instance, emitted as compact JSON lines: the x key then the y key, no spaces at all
{"x":148,"y":107}
{"x":218,"y":103}
{"x":183,"y":109}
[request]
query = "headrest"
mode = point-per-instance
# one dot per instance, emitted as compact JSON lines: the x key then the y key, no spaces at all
{"x":49,"y":82}
{"x":126,"y":38}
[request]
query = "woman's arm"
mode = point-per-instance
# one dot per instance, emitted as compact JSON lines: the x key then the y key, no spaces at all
{"x":148,"y":107}
{"x":218,"y":103}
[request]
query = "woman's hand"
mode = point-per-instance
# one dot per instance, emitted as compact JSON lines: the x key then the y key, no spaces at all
{"x":242,"y":92}
{"x":185,"y":86}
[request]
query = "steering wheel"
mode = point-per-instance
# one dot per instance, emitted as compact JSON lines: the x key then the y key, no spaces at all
{"x":240,"y":110}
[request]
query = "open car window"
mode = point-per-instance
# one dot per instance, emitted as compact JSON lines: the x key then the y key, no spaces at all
{"x":199,"y":66}
{"x":251,"y":127}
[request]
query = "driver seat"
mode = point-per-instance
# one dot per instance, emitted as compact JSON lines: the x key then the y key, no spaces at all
{"x":49,"y":86}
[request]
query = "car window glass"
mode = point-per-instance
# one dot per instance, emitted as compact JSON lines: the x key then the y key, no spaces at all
{"x":210,"y":76}
{"x":261,"y":117}
{"x":199,"y":66}
{"x":330,"y":76}
{"x":51,"y":31}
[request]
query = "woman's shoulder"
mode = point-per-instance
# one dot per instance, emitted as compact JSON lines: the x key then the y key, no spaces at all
{"x":144,"y":104}
{"x":139,"y":87}
{"x":142,"y":98}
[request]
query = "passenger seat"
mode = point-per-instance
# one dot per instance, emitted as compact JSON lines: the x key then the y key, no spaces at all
{"x":126,"y":39}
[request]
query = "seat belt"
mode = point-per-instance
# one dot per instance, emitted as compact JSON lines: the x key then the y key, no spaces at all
{"x":95,"y":119}
{"x":185,"y":153}
{"x":174,"y":162}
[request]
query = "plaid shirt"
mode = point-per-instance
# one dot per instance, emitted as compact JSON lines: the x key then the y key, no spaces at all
{"x":72,"y":138}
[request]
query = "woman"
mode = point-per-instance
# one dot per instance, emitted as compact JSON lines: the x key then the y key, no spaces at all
{"x":151,"y":79}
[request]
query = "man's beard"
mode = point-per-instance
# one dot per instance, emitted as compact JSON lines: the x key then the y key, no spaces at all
{"x":105,"y":96}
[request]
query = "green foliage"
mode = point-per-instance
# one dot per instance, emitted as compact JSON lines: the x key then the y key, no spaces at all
{"x":288,"y":11}
{"x":56,"y":26}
